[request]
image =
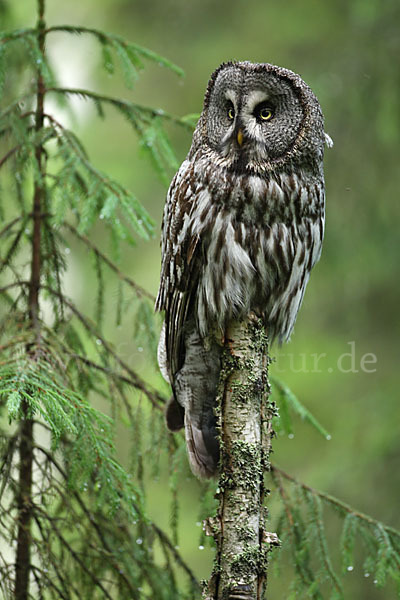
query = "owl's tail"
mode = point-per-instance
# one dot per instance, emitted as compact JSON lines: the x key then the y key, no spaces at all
{"x":192,"y":406}
{"x":202,"y":446}
{"x":201,"y":438}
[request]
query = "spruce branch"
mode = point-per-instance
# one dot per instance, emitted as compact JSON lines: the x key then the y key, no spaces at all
{"x":133,"y":51}
{"x":145,"y":121}
{"x":23,"y":134}
{"x":130,"y":377}
{"x":14,"y":109}
{"x":13,"y":247}
{"x":288,"y":400}
{"x":43,"y":581}
{"x":79,"y":560}
{"x":178,"y":558}
{"x":12,"y":36}
{"x":341,"y":506}
{"x":299,"y":546}
{"x":11,"y":224}
{"x":132,"y":111}
{"x":315,"y":507}
{"x":9,"y":154}
{"x":89,"y":515}
{"x":54,"y":267}
{"x":381,"y":542}
{"x":139,"y":291}
{"x":20,"y":283}
{"x":117,"y":376}
{"x":154,"y":396}
{"x":102,"y":539}
{"x":104,"y":196}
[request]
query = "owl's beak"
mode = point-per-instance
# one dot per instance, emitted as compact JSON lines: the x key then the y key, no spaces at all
{"x":239,"y":137}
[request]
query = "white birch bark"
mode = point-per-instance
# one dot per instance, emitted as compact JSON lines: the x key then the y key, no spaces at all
{"x":245,"y":418}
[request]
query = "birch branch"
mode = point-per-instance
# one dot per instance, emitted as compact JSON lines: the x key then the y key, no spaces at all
{"x":240,"y":568}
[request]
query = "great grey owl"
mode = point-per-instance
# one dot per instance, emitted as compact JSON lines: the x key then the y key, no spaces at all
{"x":242,"y":228}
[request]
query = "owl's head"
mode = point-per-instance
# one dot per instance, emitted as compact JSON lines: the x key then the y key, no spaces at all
{"x":257,"y":117}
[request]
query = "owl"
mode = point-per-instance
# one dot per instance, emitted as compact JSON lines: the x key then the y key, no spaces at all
{"x":242,"y":228}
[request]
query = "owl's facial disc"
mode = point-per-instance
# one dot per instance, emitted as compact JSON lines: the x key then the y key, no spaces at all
{"x":253,"y":117}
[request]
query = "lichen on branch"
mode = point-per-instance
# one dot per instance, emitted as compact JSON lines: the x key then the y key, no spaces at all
{"x":245,"y":414}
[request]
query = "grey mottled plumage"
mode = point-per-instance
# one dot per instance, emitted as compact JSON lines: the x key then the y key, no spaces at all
{"x":242,"y":228}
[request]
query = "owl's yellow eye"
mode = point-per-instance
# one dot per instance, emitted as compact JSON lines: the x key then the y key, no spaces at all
{"x":266,"y":113}
{"x":231,"y":113}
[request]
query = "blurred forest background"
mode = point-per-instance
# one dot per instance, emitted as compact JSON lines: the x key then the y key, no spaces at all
{"x":348,"y":52}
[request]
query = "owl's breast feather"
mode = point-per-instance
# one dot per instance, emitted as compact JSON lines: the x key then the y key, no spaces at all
{"x":258,"y":249}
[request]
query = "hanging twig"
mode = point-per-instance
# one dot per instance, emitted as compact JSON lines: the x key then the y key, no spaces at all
{"x":335,"y":502}
{"x":154,"y":396}
{"x":138,"y":289}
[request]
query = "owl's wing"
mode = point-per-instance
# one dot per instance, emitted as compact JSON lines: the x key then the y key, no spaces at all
{"x":179,"y":268}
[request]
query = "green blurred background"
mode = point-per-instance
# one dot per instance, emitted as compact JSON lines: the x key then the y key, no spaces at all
{"x":348,"y":52}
